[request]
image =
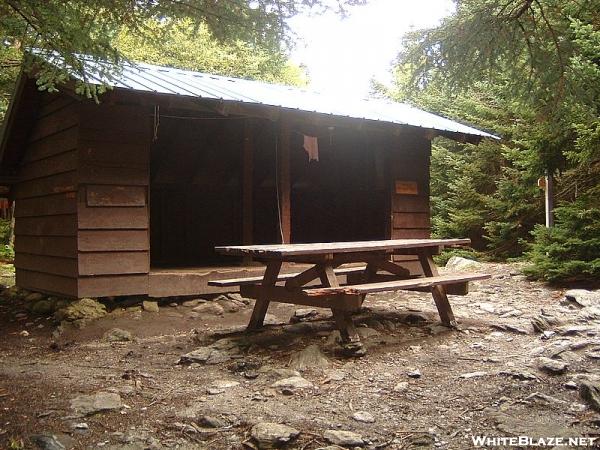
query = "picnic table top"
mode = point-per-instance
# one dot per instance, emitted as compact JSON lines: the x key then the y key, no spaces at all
{"x":282,"y":250}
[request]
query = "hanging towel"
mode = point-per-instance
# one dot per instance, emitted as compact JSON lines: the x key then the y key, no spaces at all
{"x":311,"y":146}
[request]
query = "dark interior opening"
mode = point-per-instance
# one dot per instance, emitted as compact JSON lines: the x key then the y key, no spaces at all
{"x":197,"y":180}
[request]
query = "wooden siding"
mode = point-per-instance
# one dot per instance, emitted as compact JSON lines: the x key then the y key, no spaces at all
{"x":46,"y":200}
{"x":410,"y":215}
{"x":112,"y":202}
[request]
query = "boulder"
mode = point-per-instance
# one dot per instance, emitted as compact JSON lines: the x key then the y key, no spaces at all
{"x":100,"y":401}
{"x":118,"y":335}
{"x":293,"y":383}
{"x":344,"y":438}
{"x":458,"y":263}
{"x":81,"y":311}
{"x":272,"y":435}
{"x":149,"y":306}
{"x":552,"y":366}
{"x":209,"y":308}
{"x":309,"y":358}
{"x":582,"y":297}
{"x":590,"y":392}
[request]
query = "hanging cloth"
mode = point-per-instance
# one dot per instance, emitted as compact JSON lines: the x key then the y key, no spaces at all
{"x":311,"y":145}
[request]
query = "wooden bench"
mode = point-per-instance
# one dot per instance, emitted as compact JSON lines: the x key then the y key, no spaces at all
{"x":281,"y":277}
{"x":350,"y":297}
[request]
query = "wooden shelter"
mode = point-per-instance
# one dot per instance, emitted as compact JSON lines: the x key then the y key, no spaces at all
{"x":130,"y":196}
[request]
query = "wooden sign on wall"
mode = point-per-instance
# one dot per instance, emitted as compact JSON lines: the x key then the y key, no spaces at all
{"x":406,"y":187}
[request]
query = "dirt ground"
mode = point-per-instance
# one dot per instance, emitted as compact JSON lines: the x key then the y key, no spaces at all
{"x":419,"y":386}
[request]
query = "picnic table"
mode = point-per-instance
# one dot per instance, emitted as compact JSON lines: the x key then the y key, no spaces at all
{"x":318,"y":284}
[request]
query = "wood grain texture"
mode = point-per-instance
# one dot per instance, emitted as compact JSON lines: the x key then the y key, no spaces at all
{"x":115,"y":195}
{"x":49,"y":205}
{"x":45,"y":282}
{"x":112,"y":240}
{"x":60,"y":225}
{"x":53,"y":184}
{"x":63,"y":246}
{"x":47,"y":264}
{"x":102,"y":286}
{"x":113,"y":263}
{"x":112,"y":218}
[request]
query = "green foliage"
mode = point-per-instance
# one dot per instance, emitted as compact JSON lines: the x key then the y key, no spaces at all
{"x":570,"y":251}
{"x":530,"y":71}
{"x":186,"y":45}
{"x":78,"y":32}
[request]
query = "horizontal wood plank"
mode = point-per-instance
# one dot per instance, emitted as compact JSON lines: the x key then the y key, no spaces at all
{"x":415,"y":233}
{"x":409,"y":203}
{"x":47,"y":264}
{"x":61,"y":225}
{"x":109,"y":263}
{"x":54,"y":184}
{"x":63,"y":203}
{"x":53,"y":123}
{"x":98,"y":153}
{"x":47,"y":283}
{"x":411,"y":220}
{"x":63,"y":246}
{"x":110,"y":174}
{"x":115,"y":195}
{"x":52,"y":145}
{"x":112,"y":240}
{"x":112,"y":218}
{"x":281,"y":277}
{"x":62,"y":162}
{"x":325,"y":248}
{"x":104,"y":286}
{"x":281,"y":294}
{"x":387,"y":286}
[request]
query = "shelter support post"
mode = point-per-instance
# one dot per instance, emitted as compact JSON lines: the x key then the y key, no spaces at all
{"x":283,"y":180}
{"x":247,"y":185}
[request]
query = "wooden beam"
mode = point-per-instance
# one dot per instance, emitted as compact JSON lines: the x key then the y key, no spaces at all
{"x":283,"y":179}
{"x":247,"y":185}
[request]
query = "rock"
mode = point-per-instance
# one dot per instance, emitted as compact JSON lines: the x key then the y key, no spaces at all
{"x":42,"y":307}
{"x":118,"y":335}
{"x":583,"y":297}
{"x":589,"y":313}
{"x":304,"y":313}
{"x":309,"y":358}
{"x":363,"y":416}
{"x":334,"y":375}
{"x":458,"y":263}
{"x":487,"y":307}
{"x":293,"y":383}
{"x":81,"y":312}
{"x":100,"y":401}
{"x":473,"y":375}
{"x":271,"y":319}
{"x":544,"y":322}
{"x":343,"y":438}
{"x":209,"y":308}
{"x":204,"y":355}
{"x":401,"y":387}
{"x":192,"y":303}
{"x":271,"y":435}
{"x":224,"y":384}
{"x":278,"y":373}
{"x":414,"y":373}
{"x":24,"y":333}
{"x":34,"y":297}
{"x":211,"y":422}
{"x":47,"y":442}
{"x":552,"y":366}
{"x":519,"y":375}
{"x":227,"y":304}
{"x":509,"y":328}
{"x":149,"y":306}
{"x":590,"y":392}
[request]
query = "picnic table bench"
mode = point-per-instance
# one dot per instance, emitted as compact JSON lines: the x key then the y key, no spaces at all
{"x":378,"y":273}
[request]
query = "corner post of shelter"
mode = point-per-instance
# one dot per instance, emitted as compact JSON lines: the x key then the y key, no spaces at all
{"x":284,"y":178}
{"x":247,"y":185}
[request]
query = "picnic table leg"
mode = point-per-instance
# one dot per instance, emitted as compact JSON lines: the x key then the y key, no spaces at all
{"x":262,"y":302}
{"x":438,"y":292}
{"x":343,"y":319}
